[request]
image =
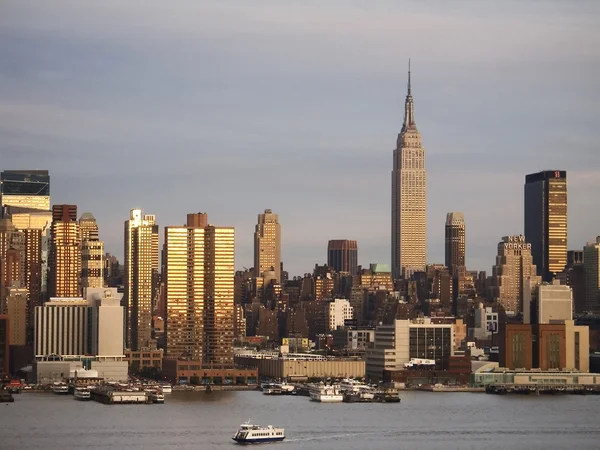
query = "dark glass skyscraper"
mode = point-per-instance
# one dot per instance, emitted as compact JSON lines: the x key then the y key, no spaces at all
{"x":342,"y":256}
{"x":546,"y":220}
{"x":455,"y":241}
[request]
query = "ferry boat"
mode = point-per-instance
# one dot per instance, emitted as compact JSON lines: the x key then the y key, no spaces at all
{"x":256,"y":434}
{"x":82,"y":393}
{"x":326,"y":393}
{"x":58,"y":387}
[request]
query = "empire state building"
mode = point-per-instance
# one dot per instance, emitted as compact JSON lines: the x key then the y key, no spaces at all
{"x":409,"y":197}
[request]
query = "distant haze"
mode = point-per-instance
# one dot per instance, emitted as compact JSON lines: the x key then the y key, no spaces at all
{"x":233,"y":107}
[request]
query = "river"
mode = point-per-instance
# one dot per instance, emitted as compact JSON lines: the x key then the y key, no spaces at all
{"x":422,"y":420}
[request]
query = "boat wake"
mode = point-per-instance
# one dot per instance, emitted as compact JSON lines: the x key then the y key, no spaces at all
{"x":329,"y":436}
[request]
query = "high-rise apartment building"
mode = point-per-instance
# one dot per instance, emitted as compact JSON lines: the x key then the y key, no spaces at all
{"x":455,"y":241}
{"x":513,"y":273}
{"x":219,"y":287}
{"x":25,"y":189}
{"x":16,"y":309}
{"x":267,"y":245}
{"x":342,"y":256}
{"x":140,"y":278}
{"x":546,"y":220}
{"x":591,"y":267}
{"x":409,"y":197}
{"x":11,"y":259}
{"x":184,"y":272}
{"x":65,"y":253}
{"x":92,"y":253}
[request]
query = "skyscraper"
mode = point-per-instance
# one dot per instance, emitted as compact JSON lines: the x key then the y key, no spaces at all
{"x":219,"y":286}
{"x":513,"y":273}
{"x":591,"y":267}
{"x":25,"y":189}
{"x":141,"y":278}
{"x":409,"y":197}
{"x":92,"y":253}
{"x":546,"y":220}
{"x":455,"y":241}
{"x":267,"y":245}
{"x":184,"y":271}
{"x":342,"y":256}
{"x":65,"y":253}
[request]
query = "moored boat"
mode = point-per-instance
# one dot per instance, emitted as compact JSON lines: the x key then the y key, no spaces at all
{"x":58,"y":387}
{"x":82,"y":393}
{"x":326,"y":393}
{"x":256,"y":434}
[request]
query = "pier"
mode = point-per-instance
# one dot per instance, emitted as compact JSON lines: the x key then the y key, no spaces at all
{"x":536,"y":389}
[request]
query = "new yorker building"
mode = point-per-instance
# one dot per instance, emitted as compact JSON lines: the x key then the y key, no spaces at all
{"x":546,"y":220}
{"x":409,"y":197}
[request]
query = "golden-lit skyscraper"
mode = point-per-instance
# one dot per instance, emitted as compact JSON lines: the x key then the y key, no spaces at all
{"x":65,"y":253}
{"x":140,"y":278}
{"x":267,"y":245}
{"x":546,"y":220}
{"x":409,"y":197}
{"x":455,"y":241}
{"x":184,"y":265}
{"x":219,"y":292}
{"x":92,"y":253}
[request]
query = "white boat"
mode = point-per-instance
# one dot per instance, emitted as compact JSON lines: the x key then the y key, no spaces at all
{"x":82,"y":393}
{"x":326,"y":393}
{"x":166,"y":389}
{"x":58,"y":387}
{"x":157,"y":397}
{"x":357,"y":390}
{"x":256,"y":434}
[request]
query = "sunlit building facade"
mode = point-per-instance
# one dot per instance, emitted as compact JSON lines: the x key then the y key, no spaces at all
{"x":455,"y":241}
{"x":92,"y":253}
{"x":65,"y":253}
{"x":409,"y":197}
{"x":141,"y":278}
{"x":25,"y":189}
{"x":219,"y":287}
{"x":267,"y":245}
{"x":546,"y":220}
{"x":184,"y":265}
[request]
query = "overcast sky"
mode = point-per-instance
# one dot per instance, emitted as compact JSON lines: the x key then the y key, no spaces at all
{"x":232,"y":107}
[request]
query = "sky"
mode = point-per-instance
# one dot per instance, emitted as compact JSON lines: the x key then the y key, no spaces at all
{"x":232,"y":107}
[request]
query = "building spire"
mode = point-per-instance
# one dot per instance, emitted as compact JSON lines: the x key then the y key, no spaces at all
{"x":409,"y":111}
{"x":409,"y":93}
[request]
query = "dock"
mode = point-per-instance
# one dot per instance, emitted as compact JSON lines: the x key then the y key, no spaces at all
{"x":537,"y":389}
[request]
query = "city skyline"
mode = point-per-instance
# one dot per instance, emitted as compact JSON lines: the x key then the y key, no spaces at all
{"x":318,"y":127}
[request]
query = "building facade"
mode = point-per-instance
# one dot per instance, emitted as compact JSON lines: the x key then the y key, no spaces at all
{"x":546,"y":220}
{"x":184,"y":272}
{"x":25,"y":189}
{"x":342,"y":255}
{"x":64,"y":278}
{"x":340,"y":310}
{"x":267,"y":245}
{"x":591,"y":267}
{"x":455,"y":241}
{"x":409,"y":197}
{"x":219,"y":287}
{"x":140,"y":278}
{"x":513,"y":273}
